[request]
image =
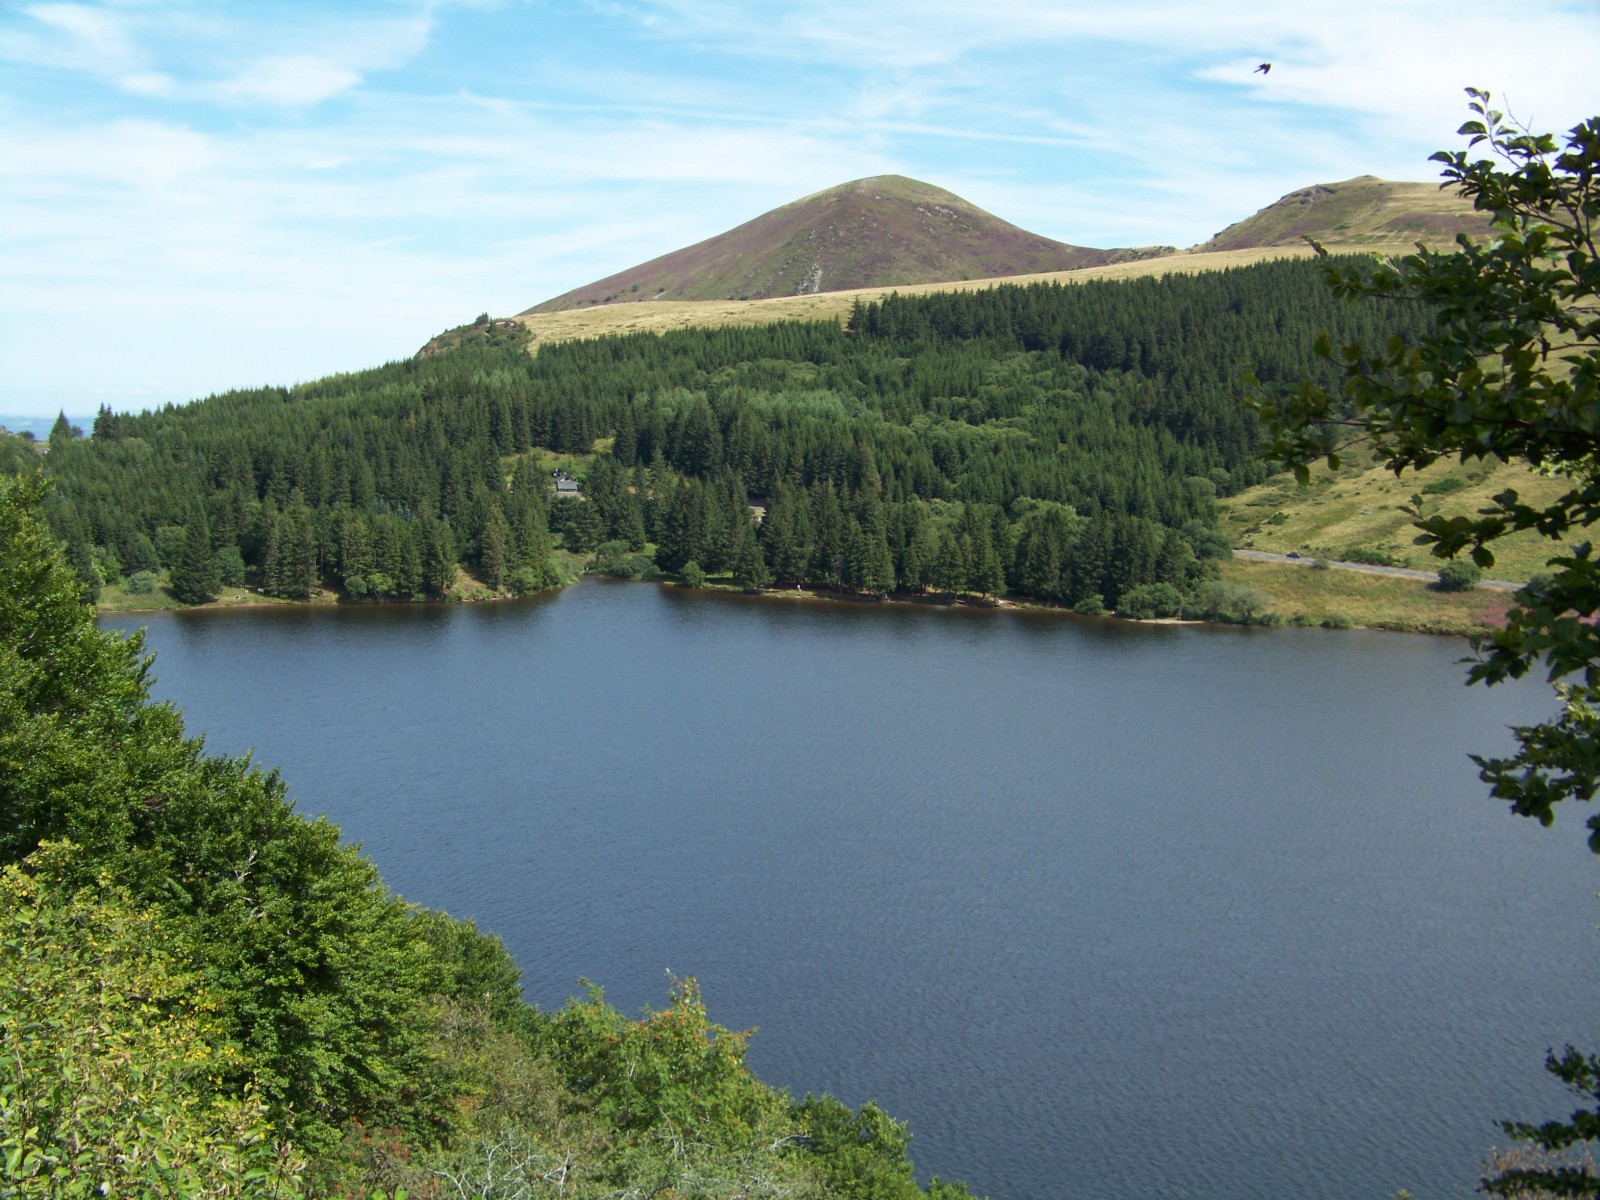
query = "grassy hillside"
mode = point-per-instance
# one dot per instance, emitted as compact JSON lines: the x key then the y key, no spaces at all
{"x":884,"y":231}
{"x":1340,"y":599}
{"x":575,"y":324}
{"x":1361,"y":212}
{"x":812,"y":259}
{"x":1365,"y":508}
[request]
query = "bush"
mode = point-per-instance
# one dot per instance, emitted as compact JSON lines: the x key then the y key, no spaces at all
{"x":525,"y":581}
{"x":1091,"y":606}
{"x":1232,"y":603}
{"x":1439,"y":486}
{"x":1372,"y":558}
{"x":140,"y":583}
{"x":1150,"y":601}
{"x":1459,"y":575}
{"x":692,"y":575}
{"x":617,"y":559}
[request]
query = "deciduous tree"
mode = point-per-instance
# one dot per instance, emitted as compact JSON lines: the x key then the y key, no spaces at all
{"x":1509,"y":370}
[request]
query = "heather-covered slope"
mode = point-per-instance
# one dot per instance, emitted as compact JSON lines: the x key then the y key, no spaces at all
{"x":881,"y":231}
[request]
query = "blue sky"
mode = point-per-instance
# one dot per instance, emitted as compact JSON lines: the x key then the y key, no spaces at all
{"x":198,"y":196}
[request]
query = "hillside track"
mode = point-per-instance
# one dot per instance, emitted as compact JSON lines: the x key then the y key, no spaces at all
{"x":1494,"y":585}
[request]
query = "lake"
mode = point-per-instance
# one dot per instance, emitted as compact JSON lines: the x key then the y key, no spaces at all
{"x":1101,"y":910}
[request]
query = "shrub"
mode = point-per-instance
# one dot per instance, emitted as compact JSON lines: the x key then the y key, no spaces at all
{"x":617,"y":559}
{"x":525,"y":581}
{"x":1439,"y":486}
{"x":1235,"y":604}
{"x":1091,"y":606}
{"x":1149,"y":601}
{"x":1372,"y":558}
{"x":140,"y":583}
{"x":692,"y":575}
{"x":1459,"y":575}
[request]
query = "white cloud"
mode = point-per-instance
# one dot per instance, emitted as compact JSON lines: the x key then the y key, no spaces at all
{"x":215,"y":222}
{"x":242,"y":56}
{"x":294,"y":79}
{"x":83,"y":38}
{"x":1401,"y":59}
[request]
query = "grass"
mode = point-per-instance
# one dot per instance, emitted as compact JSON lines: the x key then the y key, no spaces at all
{"x":1358,"y":213}
{"x":1310,"y":596}
{"x":114,"y":599}
{"x":661,"y":316}
{"x":545,"y":461}
{"x":1367,"y":507}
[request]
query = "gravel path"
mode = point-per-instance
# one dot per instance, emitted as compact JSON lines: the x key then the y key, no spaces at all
{"x":1498,"y":585}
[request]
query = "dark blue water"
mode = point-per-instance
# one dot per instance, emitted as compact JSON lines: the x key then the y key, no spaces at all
{"x":1102,"y":911}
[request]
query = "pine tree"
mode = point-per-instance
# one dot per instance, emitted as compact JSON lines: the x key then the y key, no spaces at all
{"x":750,"y":564}
{"x":195,"y":578}
{"x":494,"y":548}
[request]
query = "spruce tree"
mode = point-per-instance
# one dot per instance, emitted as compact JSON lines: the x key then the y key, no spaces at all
{"x":750,"y":564}
{"x":195,"y":578}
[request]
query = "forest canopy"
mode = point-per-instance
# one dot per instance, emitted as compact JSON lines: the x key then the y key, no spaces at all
{"x":1058,"y":442}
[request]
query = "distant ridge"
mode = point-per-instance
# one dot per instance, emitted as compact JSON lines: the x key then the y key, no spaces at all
{"x":883,"y":231}
{"x":1362,"y":211}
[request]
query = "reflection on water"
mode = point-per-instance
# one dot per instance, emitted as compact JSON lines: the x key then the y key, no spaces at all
{"x":1101,"y":910}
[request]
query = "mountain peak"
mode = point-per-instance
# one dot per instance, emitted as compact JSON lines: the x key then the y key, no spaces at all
{"x":881,"y":231}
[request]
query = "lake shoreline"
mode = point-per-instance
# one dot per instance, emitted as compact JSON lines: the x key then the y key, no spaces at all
{"x":1331,"y":615}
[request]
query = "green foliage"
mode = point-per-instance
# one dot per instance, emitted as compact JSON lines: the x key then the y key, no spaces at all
{"x":863,"y":1154}
{"x":230,"y":566}
{"x":1115,"y":402}
{"x":111,"y":1059}
{"x":1150,"y":601}
{"x":140,"y":583}
{"x":615,"y":558}
{"x":1362,"y":554}
{"x":1231,"y":603}
{"x":195,"y":578}
{"x":318,"y":974}
{"x":1459,"y":575}
{"x":673,"y":1071}
{"x":692,"y":576}
{"x":1510,"y":369}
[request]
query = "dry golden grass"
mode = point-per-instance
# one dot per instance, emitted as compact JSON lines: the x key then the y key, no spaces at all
{"x":660,"y":316}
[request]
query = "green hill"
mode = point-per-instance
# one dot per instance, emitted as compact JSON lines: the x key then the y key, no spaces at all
{"x":1362,"y":212}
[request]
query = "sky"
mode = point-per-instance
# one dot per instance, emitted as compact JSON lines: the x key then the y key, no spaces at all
{"x":198,"y":196}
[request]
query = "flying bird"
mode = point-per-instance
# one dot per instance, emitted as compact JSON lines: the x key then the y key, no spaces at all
{"x":1262,"y":69}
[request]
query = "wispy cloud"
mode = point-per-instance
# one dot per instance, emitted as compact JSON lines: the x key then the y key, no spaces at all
{"x":220,"y":193}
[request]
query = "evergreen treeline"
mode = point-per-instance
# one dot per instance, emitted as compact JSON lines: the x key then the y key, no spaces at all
{"x":1063,"y":442}
{"x":204,"y":994}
